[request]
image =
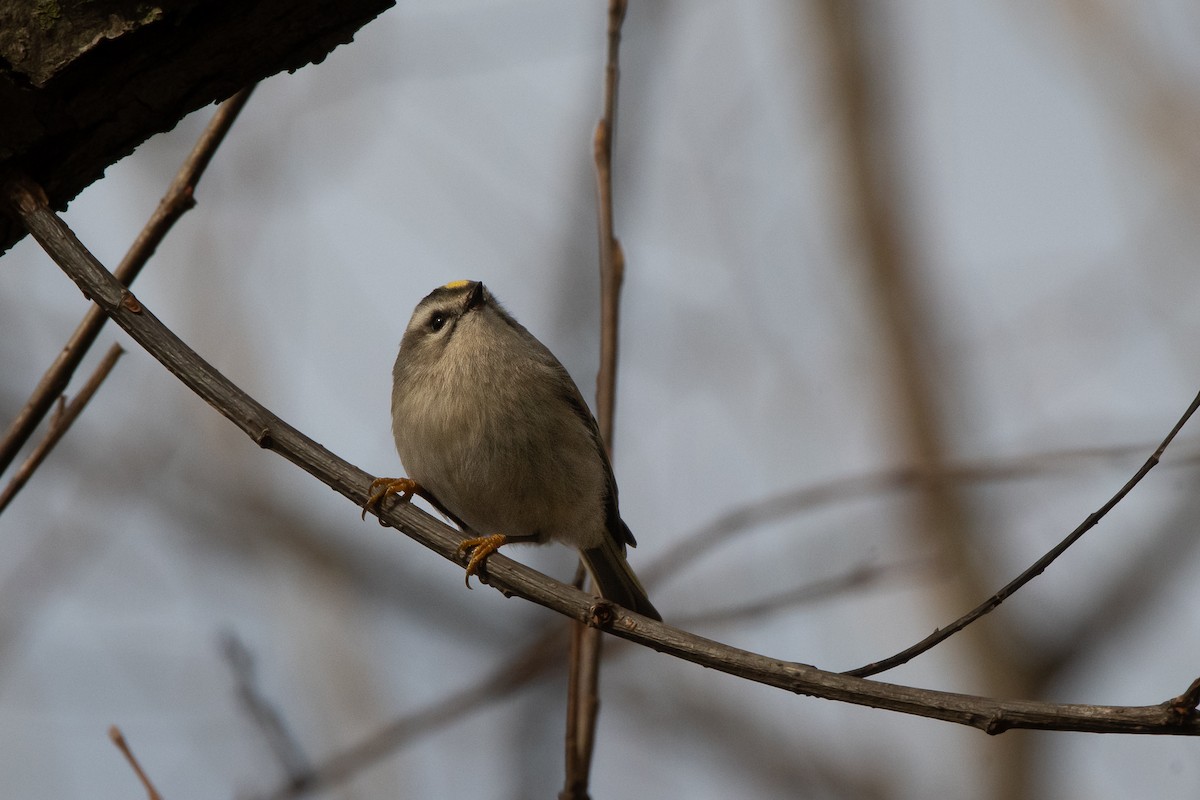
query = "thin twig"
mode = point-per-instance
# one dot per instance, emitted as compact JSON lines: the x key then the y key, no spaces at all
{"x":118,"y":739}
{"x":267,"y":430}
{"x":59,"y":425}
{"x":178,"y":199}
{"x":583,"y":697}
{"x":1120,"y":606}
{"x":1033,"y":571}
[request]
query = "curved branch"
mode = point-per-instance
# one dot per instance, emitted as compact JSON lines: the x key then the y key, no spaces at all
{"x":1176,"y":716}
{"x":1035,"y":569}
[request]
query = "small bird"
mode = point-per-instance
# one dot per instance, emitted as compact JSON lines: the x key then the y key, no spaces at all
{"x":495,"y":434}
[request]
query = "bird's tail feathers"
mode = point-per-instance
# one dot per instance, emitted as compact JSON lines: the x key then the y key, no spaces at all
{"x":615,"y":578}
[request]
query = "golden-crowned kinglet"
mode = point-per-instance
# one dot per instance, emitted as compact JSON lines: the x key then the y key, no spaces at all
{"x":490,"y":425}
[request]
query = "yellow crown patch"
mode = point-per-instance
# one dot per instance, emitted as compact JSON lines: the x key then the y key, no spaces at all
{"x":455,"y":284}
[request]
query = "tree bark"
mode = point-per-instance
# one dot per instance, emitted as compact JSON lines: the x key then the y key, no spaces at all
{"x":83,"y":83}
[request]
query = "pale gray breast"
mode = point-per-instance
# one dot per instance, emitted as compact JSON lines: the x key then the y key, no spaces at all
{"x":497,"y":444}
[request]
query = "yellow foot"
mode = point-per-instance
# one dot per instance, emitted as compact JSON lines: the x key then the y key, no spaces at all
{"x":479,"y":548}
{"x":382,"y":487}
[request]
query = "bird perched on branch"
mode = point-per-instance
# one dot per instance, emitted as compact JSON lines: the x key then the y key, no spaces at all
{"x":495,"y":434}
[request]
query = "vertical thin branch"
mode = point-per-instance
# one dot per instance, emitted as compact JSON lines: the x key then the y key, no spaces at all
{"x":873,"y":162}
{"x":612,"y":258}
{"x":583,"y":706}
{"x":583,"y":698}
{"x":178,"y":199}
{"x":873,"y":192}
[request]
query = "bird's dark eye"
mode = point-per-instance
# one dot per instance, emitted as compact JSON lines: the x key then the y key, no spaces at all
{"x":437,"y":321}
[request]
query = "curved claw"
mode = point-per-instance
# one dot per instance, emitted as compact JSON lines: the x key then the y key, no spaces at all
{"x":479,"y":548}
{"x":380,"y":488}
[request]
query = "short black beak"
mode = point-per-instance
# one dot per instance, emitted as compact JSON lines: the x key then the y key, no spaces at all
{"x":475,"y":299}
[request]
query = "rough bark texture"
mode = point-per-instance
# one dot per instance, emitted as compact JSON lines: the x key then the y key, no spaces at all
{"x":84,"y":82}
